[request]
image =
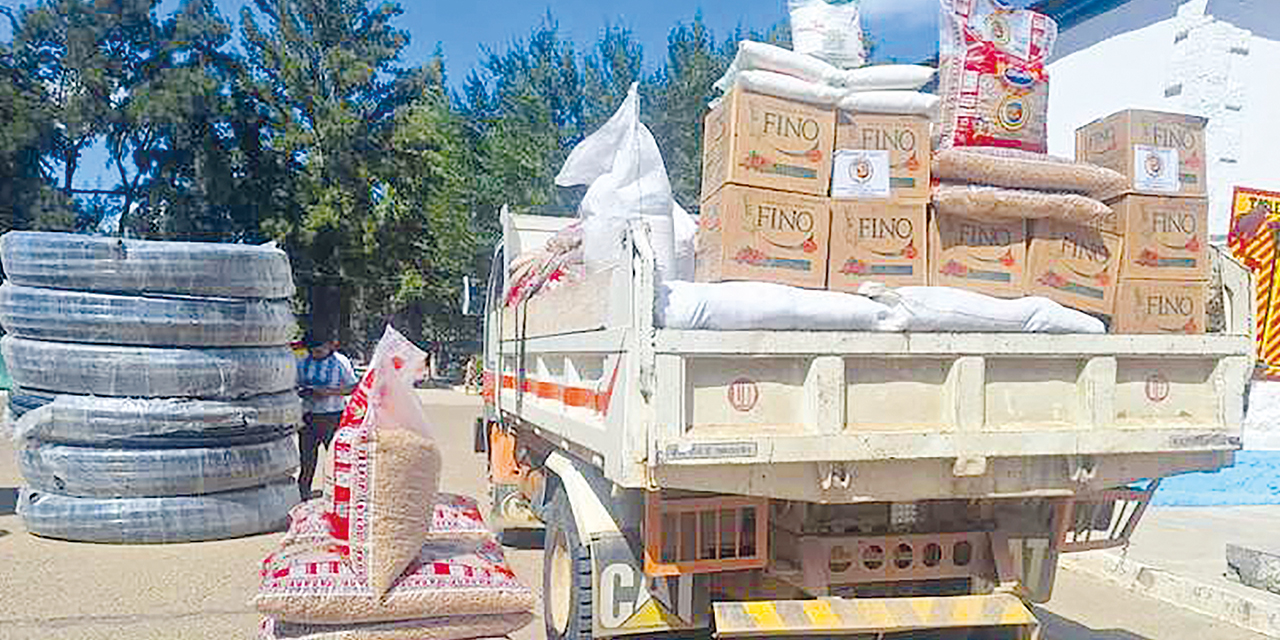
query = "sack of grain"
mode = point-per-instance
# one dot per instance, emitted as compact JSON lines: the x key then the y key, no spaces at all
{"x":780,"y":85}
{"x":981,"y":202}
{"x":451,"y":577}
{"x":758,"y":56}
{"x":904,"y":103}
{"x":994,"y":85}
{"x":454,"y":517}
{"x":1025,"y":170}
{"x":386,"y":466}
{"x":447,"y":628}
{"x":886,"y":77}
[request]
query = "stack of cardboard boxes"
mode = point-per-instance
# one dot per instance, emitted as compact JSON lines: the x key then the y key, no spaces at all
{"x":1161,"y":221}
{"x":796,"y":194}
{"x":811,"y":197}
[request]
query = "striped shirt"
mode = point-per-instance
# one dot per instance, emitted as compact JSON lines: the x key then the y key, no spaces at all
{"x":333,"y":372}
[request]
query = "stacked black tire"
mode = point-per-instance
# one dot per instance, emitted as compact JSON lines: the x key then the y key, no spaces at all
{"x":156,"y":387}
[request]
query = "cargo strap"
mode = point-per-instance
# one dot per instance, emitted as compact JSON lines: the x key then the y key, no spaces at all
{"x":838,"y":616}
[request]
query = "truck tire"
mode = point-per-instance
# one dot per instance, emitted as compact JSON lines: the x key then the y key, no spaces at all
{"x":566,"y":575}
{"x":86,"y":472}
{"x":216,"y":516}
{"x":100,"y":318}
{"x":148,"y":372}
{"x":162,"y":423}
{"x":115,"y":265}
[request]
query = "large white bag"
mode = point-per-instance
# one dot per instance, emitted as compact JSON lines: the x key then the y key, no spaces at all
{"x":759,"y":56}
{"x":886,"y":77}
{"x":942,"y":309}
{"x":622,"y":164}
{"x":905,"y":103}
{"x":686,"y":229}
{"x":784,"y":86}
{"x":763,"y":306}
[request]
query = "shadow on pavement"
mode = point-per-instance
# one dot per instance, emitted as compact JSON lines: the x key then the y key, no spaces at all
{"x":1056,"y":627}
{"x":523,"y":539}
{"x":8,"y":500}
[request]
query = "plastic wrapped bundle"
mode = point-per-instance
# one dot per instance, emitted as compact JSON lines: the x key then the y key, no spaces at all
{"x":489,"y":627}
{"x":1017,"y":169}
{"x":979,"y":202}
{"x":159,"y":520}
{"x":115,"y":265}
{"x":147,"y":473}
{"x":447,"y":578}
{"x":147,"y":372}
{"x":783,"y":86}
{"x":154,"y":422}
{"x":73,"y":316}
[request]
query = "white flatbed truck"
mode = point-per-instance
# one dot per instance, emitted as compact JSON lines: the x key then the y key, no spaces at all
{"x":829,"y":484}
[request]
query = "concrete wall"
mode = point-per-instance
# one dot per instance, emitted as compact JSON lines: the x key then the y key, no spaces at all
{"x":1189,"y":63}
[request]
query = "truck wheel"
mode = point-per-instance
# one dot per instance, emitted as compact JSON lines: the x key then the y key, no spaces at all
{"x":566,"y":575}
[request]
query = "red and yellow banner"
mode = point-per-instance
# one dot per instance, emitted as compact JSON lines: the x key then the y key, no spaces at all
{"x":1255,"y":219}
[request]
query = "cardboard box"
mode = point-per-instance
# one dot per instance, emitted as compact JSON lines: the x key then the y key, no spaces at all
{"x":763,"y":141}
{"x":980,"y":256}
{"x":894,"y":158}
{"x":745,"y":233}
{"x":1074,"y":265}
{"x":877,"y":241}
{"x":1161,"y":153}
{"x":1164,"y":238}
{"x":1160,"y":306}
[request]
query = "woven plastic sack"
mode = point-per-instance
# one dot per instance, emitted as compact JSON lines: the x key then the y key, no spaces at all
{"x":623,"y":166}
{"x":454,"y":516}
{"x":943,"y":309}
{"x":994,"y":85}
{"x":996,"y":203}
{"x":314,"y":584}
{"x":1025,"y":170}
{"x":780,"y":85}
{"x":906,"y":103}
{"x":743,"y":306}
{"x":759,"y":56}
{"x":386,"y":466}
{"x":491,"y":627}
{"x":828,"y":30}
{"x":887,"y":77}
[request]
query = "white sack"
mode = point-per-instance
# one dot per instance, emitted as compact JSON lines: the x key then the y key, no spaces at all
{"x":758,"y":56}
{"x":942,"y":309}
{"x":741,"y":306}
{"x":686,"y":228}
{"x":784,"y":86}
{"x":886,"y":77}
{"x":1262,"y":416}
{"x":832,"y":32}
{"x":622,"y":164}
{"x":907,"y":103}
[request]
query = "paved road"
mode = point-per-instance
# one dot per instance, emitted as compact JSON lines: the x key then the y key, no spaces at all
{"x":52,"y":590}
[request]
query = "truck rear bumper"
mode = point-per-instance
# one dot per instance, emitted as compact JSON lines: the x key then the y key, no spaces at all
{"x":838,"y":616}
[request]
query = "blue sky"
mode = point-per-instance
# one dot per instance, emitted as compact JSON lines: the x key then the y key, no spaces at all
{"x":904,"y":29}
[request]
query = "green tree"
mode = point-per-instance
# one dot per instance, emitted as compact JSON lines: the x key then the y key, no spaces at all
{"x":326,"y":75}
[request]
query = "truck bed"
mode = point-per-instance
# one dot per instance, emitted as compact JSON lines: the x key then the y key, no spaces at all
{"x":862,"y":417}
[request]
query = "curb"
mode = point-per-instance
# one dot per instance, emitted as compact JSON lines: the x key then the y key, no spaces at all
{"x":1254,"y":614}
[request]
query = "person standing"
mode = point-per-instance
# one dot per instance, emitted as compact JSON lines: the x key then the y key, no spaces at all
{"x":325,"y":379}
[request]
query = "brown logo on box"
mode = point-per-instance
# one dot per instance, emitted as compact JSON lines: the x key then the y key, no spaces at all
{"x":1102,"y":140}
{"x":976,"y":235}
{"x":1172,"y":135}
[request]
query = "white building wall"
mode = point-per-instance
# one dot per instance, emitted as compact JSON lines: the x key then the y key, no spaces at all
{"x":1191,"y":63}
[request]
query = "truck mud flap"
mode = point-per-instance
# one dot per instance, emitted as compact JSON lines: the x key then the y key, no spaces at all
{"x":627,"y":602}
{"x":837,"y":616}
